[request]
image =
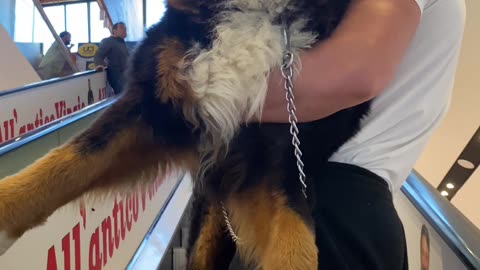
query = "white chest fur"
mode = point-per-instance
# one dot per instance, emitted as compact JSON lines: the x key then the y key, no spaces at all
{"x":230,"y":79}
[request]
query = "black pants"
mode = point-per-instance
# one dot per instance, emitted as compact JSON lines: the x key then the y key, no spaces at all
{"x":116,"y":79}
{"x":357,"y":226}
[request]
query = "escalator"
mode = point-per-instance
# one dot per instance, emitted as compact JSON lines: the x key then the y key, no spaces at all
{"x":84,"y":234}
{"x":147,"y":229}
{"x":143,"y":230}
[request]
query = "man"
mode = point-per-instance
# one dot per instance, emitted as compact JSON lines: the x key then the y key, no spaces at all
{"x":115,"y":51}
{"x":54,"y":63}
{"x":404,"y":54}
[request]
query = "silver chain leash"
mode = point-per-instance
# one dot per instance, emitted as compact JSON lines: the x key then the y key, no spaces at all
{"x":234,"y":236}
{"x":287,"y":74}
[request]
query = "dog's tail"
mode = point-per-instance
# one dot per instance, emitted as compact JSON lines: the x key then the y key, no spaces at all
{"x":120,"y":147}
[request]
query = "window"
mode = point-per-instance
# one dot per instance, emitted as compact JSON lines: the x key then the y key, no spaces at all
{"x":34,"y":39}
{"x":98,"y":31}
{"x":56,"y":16}
{"x":23,"y":21}
{"x":154,"y":10}
{"x":85,"y":21}
{"x":77,"y":23}
{"x":30,"y":28}
{"x":41,"y":33}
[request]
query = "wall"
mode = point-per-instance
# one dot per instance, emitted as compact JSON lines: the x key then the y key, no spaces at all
{"x":15,"y":71}
{"x":441,"y":256}
{"x":460,"y":123}
{"x":131,"y":13}
{"x":7,"y":17}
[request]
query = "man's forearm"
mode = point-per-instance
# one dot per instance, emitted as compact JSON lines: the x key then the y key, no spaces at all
{"x":99,"y":58}
{"x":354,"y":65}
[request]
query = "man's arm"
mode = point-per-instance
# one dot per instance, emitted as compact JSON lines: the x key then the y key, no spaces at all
{"x":102,"y":52}
{"x":352,"y":66}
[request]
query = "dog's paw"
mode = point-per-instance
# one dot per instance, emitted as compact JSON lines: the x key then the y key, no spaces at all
{"x":6,"y":241}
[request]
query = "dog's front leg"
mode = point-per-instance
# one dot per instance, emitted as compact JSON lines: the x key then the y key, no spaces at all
{"x":292,"y":243}
{"x":271,"y":234}
{"x":210,"y":245}
{"x":114,"y":154}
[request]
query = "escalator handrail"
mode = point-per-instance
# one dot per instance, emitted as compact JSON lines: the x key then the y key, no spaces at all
{"x":459,"y":233}
{"x":55,"y":125}
{"x":31,"y":86}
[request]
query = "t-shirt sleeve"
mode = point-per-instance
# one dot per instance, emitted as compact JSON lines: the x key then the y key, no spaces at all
{"x":422,"y":4}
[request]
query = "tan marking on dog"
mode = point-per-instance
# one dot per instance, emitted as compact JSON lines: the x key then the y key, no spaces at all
{"x":131,"y":158}
{"x":173,"y":83}
{"x":272,"y":235}
{"x":292,"y":244}
{"x":205,"y":249}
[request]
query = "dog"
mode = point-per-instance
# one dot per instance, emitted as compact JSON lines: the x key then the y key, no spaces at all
{"x":194,"y":83}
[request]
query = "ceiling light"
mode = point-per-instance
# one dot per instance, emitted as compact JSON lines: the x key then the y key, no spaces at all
{"x":444,"y":193}
{"x":466,"y":164}
{"x":450,"y":185}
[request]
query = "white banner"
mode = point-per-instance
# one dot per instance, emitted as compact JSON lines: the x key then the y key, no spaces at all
{"x":100,"y":235}
{"x":24,"y":111}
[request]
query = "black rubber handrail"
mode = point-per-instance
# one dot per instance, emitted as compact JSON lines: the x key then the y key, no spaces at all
{"x":54,"y":125}
{"x":32,"y":86}
{"x":456,"y":230}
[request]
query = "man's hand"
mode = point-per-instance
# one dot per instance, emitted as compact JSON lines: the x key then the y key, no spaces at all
{"x":100,"y":68}
{"x":354,"y":65}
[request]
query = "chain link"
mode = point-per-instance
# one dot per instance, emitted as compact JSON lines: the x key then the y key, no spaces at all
{"x":287,"y":74}
{"x":234,"y":236}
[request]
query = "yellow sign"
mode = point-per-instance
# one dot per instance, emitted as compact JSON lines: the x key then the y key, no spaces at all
{"x":87,"y":50}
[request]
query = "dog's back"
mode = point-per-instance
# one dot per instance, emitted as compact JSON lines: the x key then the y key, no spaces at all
{"x":197,"y":76}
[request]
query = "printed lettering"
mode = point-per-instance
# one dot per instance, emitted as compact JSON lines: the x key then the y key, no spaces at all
{"x":122,"y":220}
{"x":76,"y":241}
{"x":66,"y":251}
{"x":115,"y":224}
{"x":51,"y":259}
{"x":107,"y":239}
{"x":135,"y":207}
{"x":94,"y":256}
{"x":39,"y":119}
{"x":143,"y":199}
{"x":5,"y":128}
{"x":124,"y":216}
{"x":128,"y":212}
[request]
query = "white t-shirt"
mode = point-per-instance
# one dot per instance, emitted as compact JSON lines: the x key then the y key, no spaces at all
{"x":402,"y":118}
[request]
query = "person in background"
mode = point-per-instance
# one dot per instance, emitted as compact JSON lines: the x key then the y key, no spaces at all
{"x":115,"y":51}
{"x":54,"y":63}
